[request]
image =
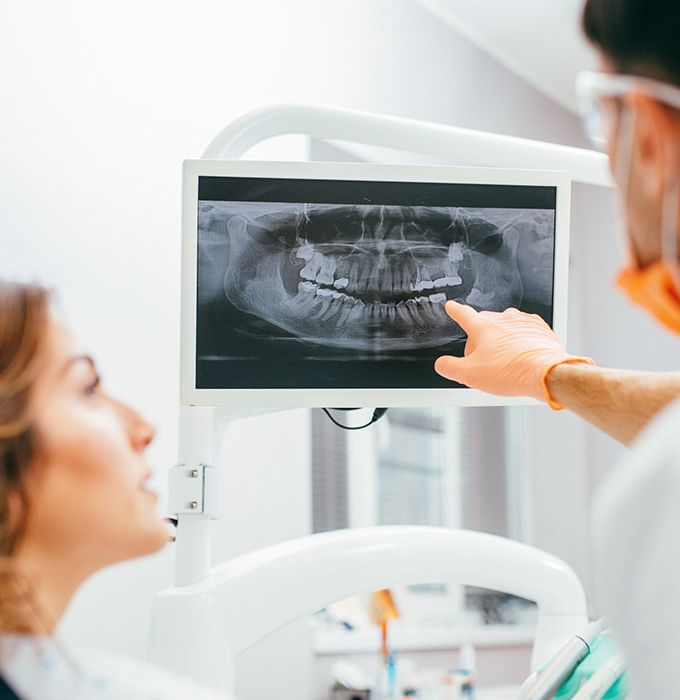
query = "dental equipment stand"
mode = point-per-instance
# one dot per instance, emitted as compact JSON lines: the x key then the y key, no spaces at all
{"x":211,"y":615}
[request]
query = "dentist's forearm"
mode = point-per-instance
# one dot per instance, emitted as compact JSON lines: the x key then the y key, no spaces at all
{"x":619,"y":402}
{"x":507,"y":353}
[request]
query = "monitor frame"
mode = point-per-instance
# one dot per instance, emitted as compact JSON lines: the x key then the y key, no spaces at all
{"x":346,"y":398}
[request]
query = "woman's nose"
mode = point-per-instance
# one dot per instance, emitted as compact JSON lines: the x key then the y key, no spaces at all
{"x":141,"y":432}
{"x":146,"y":433}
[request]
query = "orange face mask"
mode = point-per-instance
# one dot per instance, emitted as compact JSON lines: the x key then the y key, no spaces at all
{"x":653,"y":289}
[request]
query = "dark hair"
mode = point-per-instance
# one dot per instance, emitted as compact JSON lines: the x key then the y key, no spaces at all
{"x":640,"y":37}
{"x":24,"y":313}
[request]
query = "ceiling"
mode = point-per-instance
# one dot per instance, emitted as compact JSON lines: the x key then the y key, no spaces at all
{"x":539,"y":40}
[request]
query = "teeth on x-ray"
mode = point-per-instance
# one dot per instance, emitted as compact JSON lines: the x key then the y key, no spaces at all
{"x":368,"y":277}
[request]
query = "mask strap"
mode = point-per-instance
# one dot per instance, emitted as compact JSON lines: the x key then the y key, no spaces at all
{"x":669,"y":229}
{"x":624,"y":160}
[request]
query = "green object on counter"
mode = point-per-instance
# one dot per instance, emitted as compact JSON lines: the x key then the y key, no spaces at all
{"x":601,"y":651}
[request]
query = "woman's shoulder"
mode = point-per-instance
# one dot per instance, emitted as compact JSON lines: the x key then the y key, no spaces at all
{"x":141,"y":677}
{"x":41,"y":669}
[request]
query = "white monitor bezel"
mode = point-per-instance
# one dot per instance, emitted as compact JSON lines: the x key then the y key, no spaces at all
{"x":345,"y":398}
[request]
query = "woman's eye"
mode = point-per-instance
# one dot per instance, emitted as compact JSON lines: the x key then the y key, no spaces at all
{"x":92,"y":388}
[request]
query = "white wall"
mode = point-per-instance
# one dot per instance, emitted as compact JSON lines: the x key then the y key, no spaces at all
{"x":100,"y":104}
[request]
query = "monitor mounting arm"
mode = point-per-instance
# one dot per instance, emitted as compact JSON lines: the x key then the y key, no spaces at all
{"x":457,"y":145}
{"x":452,"y":144}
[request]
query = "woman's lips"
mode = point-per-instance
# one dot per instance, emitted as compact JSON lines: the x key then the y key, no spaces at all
{"x":145,"y":487}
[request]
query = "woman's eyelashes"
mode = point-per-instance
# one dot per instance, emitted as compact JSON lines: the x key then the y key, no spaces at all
{"x":92,"y":387}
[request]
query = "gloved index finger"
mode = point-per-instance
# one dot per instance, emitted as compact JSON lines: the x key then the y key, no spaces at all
{"x":465,"y":316}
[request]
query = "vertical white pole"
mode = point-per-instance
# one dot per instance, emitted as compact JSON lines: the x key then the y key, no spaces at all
{"x":192,"y":546}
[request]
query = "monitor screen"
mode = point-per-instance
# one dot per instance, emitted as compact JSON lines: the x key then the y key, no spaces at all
{"x":341,"y":284}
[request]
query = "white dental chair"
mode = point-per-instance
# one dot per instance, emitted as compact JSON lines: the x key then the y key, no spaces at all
{"x":210,"y":616}
{"x":200,"y":629}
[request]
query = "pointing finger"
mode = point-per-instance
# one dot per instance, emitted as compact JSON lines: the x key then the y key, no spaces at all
{"x":464,"y":316}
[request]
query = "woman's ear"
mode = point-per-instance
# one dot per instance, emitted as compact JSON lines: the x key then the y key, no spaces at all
{"x":15,"y":511}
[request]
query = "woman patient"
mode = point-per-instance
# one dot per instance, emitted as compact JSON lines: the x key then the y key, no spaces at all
{"x":73,"y":499}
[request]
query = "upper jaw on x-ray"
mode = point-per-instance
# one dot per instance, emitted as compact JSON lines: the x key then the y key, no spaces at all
{"x":366,"y":277}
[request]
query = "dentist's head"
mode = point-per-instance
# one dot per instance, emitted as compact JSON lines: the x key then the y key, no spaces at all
{"x":73,"y":497}
{"x":632,"y":109}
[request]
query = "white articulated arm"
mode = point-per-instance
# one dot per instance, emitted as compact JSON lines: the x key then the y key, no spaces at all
{"x":454,"y":145}
{"x":199,"y":628}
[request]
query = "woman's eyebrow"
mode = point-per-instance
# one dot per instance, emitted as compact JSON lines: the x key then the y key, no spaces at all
{"x":79,"y":358}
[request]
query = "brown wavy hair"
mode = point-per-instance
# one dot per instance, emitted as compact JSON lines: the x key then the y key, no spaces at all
{"x":24,"y":315}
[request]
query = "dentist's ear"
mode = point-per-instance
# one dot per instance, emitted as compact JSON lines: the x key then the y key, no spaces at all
{"x":657,"y":143}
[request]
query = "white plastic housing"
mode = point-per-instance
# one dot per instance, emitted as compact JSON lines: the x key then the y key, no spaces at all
{"x":360,"y":172}
{"x":199,"y":629}
{"x":452,"y":144}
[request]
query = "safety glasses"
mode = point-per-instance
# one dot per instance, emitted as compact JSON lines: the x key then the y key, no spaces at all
{"x":595,"y":90}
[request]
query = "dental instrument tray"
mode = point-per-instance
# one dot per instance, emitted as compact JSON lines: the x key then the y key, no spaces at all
{"x":323,"y":284}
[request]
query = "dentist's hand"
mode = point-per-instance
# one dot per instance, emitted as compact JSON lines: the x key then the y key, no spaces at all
{"x":509,"y":353}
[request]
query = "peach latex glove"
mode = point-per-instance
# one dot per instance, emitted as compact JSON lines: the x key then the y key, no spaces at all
{"x":510,"y":353}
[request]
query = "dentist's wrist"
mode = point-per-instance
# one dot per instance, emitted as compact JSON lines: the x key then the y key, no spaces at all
{"x":552,"y":374}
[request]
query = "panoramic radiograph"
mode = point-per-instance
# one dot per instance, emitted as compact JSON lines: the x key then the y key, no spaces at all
{"x":370,"y":278}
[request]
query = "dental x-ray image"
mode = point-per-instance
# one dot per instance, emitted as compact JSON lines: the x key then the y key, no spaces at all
{"x":329,"y":294}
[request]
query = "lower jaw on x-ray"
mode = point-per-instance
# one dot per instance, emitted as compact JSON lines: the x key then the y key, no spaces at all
{"x":352,"y":295}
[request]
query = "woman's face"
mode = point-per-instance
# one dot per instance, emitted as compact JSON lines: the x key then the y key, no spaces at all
{"x":86,"y":489}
